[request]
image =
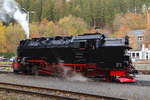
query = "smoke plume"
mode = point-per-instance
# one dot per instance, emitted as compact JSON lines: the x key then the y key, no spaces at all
{"x":10,"y":10}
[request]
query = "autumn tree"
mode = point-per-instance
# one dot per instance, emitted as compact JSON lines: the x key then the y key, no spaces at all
{"x":94,"y":12}
{"x":131,"y":20}
{"x":73,"y":25}
{"x":3,"y":39}
{"x":147,"y":35}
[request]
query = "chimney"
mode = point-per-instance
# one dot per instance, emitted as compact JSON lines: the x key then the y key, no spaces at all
{"x":148,"y":18}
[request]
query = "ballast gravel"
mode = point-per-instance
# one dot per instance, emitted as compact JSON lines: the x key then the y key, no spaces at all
{"x":130,"y":91}
{"x":5,"y":95}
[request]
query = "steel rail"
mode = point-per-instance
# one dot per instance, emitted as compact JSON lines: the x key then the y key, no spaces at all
{"x":37,"y":93}
{"x":61,"y":93}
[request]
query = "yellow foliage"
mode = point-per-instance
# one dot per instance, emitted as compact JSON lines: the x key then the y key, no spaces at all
{"x":131,"y":20}
{"x":73,"y":25}
{"x":12,"y":34}
{"x":2,"y":38}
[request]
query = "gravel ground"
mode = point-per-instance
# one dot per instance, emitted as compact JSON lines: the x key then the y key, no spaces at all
{"x":131,"y":91}
{"x":15,"y":96}
{"x":143,"y":77}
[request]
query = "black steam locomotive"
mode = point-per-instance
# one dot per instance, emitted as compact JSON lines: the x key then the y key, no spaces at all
{"x":93,"y":55}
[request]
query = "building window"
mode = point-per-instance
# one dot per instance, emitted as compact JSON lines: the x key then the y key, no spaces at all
{"x":146,"y":55}
{"x":137,"y":54}
{"x":133,"y":54}
{"x":140,"y":38}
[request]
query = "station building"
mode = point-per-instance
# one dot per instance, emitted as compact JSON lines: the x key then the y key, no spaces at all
{"x":141,"y":54}
{"x":143,"y":50}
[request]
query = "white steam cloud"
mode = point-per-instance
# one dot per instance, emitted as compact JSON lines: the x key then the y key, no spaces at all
{"x":9,"y":10}
{"x":69,"y":74}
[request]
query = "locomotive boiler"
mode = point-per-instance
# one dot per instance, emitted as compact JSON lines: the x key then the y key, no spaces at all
{"x":92,"y":55}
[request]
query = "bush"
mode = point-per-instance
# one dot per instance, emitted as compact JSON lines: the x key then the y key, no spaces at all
{"x":9,"y":54}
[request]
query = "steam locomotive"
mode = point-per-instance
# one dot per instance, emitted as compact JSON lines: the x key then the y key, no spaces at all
{"x":91,"y":54}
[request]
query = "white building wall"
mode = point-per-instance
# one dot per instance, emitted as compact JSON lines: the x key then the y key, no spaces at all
{"x":140,"y":55}
{"x":148,"y":54}
{"x":143,"y":54}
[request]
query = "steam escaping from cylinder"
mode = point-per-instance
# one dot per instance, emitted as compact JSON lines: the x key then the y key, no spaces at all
{"x":10,"y":11}
{"x":69,"y":74}
{"x":78,"y":77}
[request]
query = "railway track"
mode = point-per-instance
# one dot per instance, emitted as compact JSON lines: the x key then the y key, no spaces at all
{"x":52,"y":93}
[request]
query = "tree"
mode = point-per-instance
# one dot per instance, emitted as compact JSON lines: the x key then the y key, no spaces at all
{"x":2,"y":38}
{"x":133,"y":21}
{"x":102,"y":12}
{"x":147,"y":35}
{"x":73,"y":25}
